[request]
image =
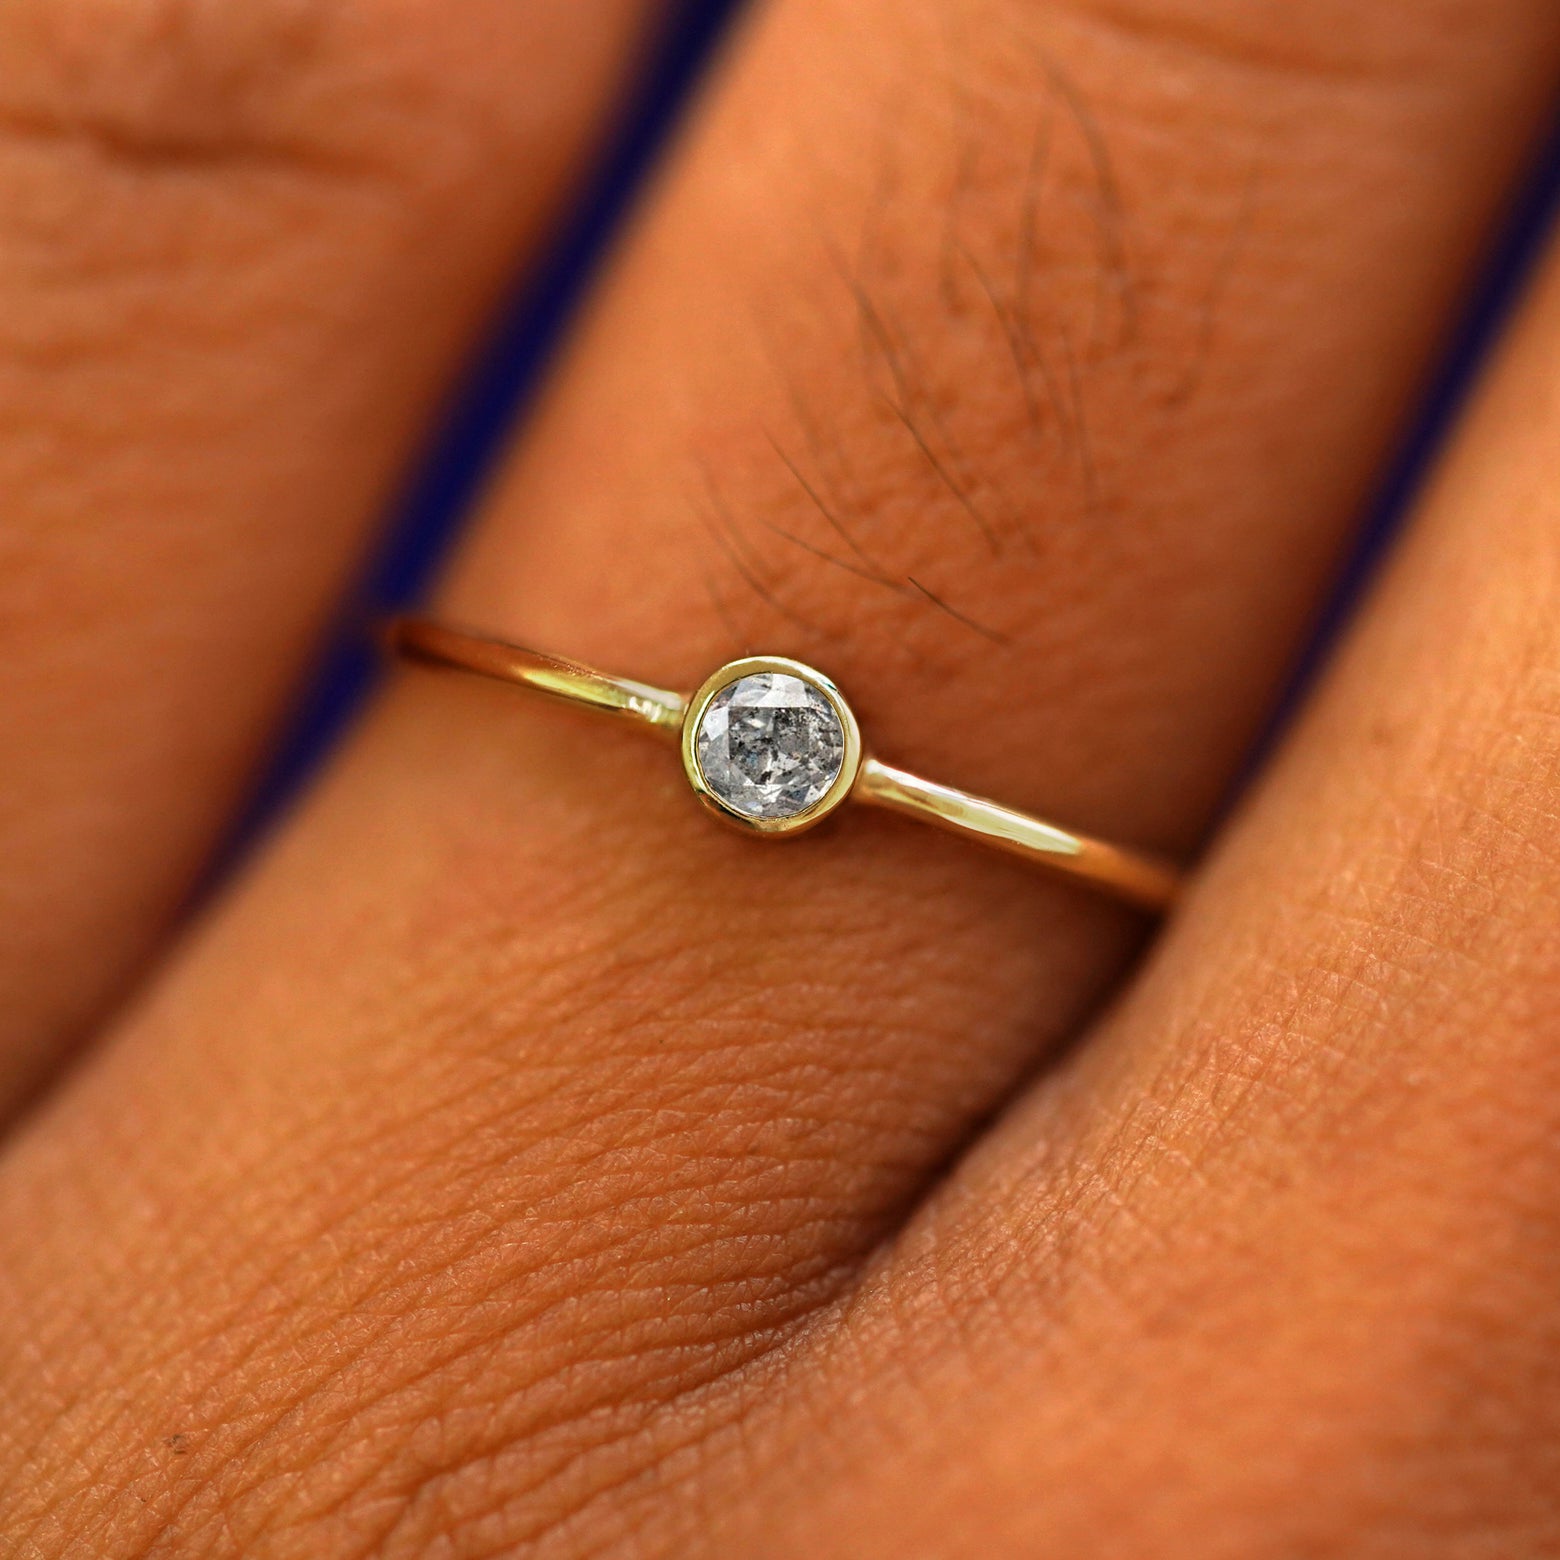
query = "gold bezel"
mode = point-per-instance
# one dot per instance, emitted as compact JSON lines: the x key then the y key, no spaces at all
{"x":844,"y":782}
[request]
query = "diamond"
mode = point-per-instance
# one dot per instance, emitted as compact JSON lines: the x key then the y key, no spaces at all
{"x":770,"y":745}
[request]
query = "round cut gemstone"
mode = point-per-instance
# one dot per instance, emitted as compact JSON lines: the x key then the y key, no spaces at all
{"x":770,"y":745}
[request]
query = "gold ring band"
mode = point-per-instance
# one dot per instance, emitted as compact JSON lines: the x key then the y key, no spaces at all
{"x":799,"y":754}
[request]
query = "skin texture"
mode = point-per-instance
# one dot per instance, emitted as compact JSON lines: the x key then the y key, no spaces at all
{"x":1288,"y":1222}
{"x":514,"y":1164}
{"x":233,"y":288}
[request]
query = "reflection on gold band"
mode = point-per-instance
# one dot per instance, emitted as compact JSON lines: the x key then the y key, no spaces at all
{"x":1143,"y":880}
{"x":435,"y":645}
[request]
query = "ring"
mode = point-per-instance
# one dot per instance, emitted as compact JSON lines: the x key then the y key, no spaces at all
{"x":770,"y":746}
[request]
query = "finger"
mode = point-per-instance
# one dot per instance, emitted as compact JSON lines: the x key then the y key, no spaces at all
{"x":539,"y":1108}
{"x":240,"y":250}
{"x":1279,"y":1254}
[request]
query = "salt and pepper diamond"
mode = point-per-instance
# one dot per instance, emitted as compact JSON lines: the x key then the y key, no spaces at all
{"x":770,"y":745}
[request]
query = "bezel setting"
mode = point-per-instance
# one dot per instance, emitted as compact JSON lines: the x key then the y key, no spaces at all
{"x":815,"y":813}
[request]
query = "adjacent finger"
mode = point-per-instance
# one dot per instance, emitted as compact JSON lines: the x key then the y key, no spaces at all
{"x":538,"y":1107}
{"x":241,"y":248}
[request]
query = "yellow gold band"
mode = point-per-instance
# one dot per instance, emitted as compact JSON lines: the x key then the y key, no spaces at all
{"x":844,"y":771}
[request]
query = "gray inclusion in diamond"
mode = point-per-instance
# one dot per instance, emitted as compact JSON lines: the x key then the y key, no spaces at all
{"x":770,"y":745}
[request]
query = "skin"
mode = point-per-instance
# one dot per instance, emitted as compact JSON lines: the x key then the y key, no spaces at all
{"x":511,"y":1163}
{"x":234,"y":288}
